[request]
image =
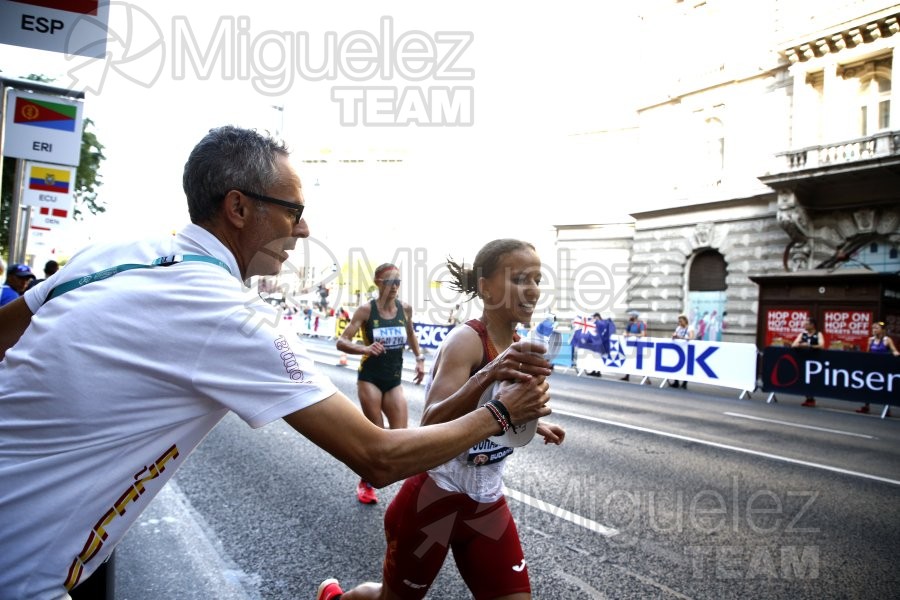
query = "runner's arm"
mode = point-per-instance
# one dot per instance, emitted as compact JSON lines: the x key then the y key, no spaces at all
{"x":383,"y":456}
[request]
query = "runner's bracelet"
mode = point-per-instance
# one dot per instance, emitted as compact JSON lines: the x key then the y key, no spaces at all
{"x":495,"y":412}
{"x":502,"y":408}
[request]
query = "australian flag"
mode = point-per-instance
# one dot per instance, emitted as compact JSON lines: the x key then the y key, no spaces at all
{"x":593,"y":336}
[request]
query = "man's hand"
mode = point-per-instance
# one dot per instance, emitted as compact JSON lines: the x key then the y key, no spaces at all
{"x":526,"y":400}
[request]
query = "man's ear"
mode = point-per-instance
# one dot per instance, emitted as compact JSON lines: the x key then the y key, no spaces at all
{"x":235,"y":208}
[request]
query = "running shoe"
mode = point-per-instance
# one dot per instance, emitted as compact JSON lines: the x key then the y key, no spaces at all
{"x":365,"y":493}
{"x":809,"y":402}
{"x":863,"y":409}
{"x":329,"y":590}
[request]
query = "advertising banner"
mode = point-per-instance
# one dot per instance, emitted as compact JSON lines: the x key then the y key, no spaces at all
{"x":431,"y":336}
{"x":847,"y":329}
{"x":856,"y":376}
{"x":783,"y":325}
{"x":726,"y":364}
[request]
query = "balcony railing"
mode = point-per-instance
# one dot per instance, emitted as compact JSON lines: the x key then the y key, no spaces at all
{"x":884,"y":143}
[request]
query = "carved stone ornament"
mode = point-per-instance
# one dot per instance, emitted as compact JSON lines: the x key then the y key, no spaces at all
{"x":702,"y":234}
{"x":792,"y":217}
{"x":865,"y":220}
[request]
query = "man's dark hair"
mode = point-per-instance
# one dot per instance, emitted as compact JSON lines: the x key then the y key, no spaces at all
{"x":51,"y":267}
{"x":229,"y":158}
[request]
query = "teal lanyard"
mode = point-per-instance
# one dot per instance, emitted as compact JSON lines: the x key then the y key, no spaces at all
{"x":162,"y":261}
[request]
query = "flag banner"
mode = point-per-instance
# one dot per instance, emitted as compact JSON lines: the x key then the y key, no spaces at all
{"x":42,"y":178}
{"x":54,"y":212}
{"x":838,"y":374}
{"x":84,"y":7}
{"x":592,"y":335}
{"x":43,"y":113}
{"x":42,"y":128}
{"x":50,"y":187}
{"x":725,"y":364}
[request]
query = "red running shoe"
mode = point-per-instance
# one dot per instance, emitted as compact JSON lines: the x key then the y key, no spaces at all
{"x":365,"y":493}
{"x":329,"y":590}
{"x":863,"y":409}
{"x":809,"y":402}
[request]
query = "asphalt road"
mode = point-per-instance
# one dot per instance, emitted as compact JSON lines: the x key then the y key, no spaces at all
{"x":657,"y":493}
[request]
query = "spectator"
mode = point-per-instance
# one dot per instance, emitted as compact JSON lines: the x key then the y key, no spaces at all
{"x":879,"y":343}
{"x":683,"y":331}
{"x":810,"y":337}
{"x":634,"y":327}
{"x":17,"y":278}
{"x":599,"y":340}
{"x":50,"y":267}
{"x":81,"y":458}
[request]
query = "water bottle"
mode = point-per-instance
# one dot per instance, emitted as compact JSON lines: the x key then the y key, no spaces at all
{"x":542,"y":334}
{"x":521,"y":435}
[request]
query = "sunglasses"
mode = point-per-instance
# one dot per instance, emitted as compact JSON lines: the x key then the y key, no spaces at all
{"x":296,"y":209}
{"x":390,"y":282}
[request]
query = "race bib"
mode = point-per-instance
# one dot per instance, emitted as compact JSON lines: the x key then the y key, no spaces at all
{"x":486,"y":452}
{"x":390,"y":337}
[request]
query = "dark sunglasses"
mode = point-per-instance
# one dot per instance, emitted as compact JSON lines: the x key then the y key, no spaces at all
{"x":297,"y":209}
{"x":390,"y":282}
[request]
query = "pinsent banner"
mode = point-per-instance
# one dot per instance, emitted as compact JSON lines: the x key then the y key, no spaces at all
{"x":856,"y":376}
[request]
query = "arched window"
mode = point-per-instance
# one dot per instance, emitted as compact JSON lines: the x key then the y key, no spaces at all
{"x":715,"y":147}
{"x":872,"y":81}
{"x":875,"y":104}
{"x":708,"y":272}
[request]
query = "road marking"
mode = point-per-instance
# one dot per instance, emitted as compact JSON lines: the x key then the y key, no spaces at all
{"x":562,"y":513}
{"x":685,"y":438}
{"x":649,"y":581}
{"x":789,"y":424}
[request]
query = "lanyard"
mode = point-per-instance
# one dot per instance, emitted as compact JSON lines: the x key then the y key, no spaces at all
{"x":162,"y":261}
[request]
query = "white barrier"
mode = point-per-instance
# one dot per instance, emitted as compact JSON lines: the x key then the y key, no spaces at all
{"x":725,"y":364}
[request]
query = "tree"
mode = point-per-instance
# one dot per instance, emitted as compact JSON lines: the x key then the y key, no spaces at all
{"x":87,"y":178}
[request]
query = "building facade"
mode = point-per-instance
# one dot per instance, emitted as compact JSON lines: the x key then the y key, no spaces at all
{"x":767,"y":147}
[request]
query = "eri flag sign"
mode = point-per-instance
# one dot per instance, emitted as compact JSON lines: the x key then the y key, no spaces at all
{"x":44,"y":128}
{"x":44,"y":113}
{"x":72,"y":27}
{"x":49,"y":188}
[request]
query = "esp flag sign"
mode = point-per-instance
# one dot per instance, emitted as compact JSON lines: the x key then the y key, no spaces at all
{"x":72,"y":27}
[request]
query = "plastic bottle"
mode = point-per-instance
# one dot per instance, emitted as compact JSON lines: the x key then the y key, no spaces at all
{"x":542,"y":332}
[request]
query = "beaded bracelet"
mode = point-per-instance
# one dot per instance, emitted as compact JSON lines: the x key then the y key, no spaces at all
{"x":501,"y":420}
{"x":502,"y":408}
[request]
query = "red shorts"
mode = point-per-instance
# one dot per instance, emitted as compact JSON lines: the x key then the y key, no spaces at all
{"x":424,"y":521}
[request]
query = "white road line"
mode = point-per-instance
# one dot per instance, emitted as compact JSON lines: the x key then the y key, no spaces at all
{"x":649,"y":581}
{"x":560,"y":512}
{"x":789,"y":424}
{"x":685,"y":438}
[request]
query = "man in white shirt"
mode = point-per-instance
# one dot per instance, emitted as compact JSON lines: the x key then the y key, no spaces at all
{"x":116,"y":367}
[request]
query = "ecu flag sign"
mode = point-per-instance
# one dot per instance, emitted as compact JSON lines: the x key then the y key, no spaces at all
{"x":45,"y":178}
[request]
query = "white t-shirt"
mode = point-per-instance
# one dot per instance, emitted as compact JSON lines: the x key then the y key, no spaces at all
{"x":113,"y":385}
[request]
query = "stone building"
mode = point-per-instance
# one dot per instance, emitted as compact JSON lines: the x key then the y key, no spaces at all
{"x":766,"y":146}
